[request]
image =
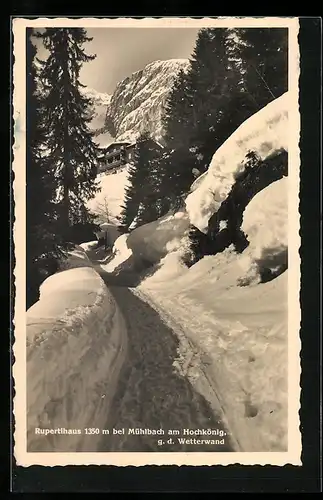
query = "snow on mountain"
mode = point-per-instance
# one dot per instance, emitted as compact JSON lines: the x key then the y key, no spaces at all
{"x":234,"y":324}
{"x":138,"y":101}
{"x":100,"y":104}
{"x":136,"y":105}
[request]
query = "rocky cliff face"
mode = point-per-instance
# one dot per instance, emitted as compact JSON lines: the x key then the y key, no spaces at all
{"x":139,"y":100}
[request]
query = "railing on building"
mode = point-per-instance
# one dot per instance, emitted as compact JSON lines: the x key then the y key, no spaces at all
{"x":116,"y":157}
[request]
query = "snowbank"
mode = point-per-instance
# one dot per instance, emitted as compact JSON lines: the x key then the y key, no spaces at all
{"x":265,"y":223}
{"x":236,"y":325}
{"x":234,"y":321}
{"x":155,"y":240}
{"x":75,"y":258}
{"x":264,"y":133}
{"x":265,"y":219}
{"x":121,"y":254}
{"x":89,"y":245}
{"x":151,"y":243}
{"x":76,"y":344}
{"x":239,"y":339}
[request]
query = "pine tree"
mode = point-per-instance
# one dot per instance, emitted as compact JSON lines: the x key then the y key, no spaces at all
{"x":131,"y":198}
{"x":177,"y":161}
{"x":70,"y":146}
{"x":150,"y":205}
{"x":199,"y":115}
{"x":216,"y":81}
{"x":43,"y":244}
{"x":142,"y":194}
{"x":264,"y":52}
{"x":177,"y":114}
{"x":251,"y":70}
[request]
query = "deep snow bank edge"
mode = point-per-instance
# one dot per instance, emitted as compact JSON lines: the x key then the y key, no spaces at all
{"x":74,"y":348}
{"x":264,"y":133}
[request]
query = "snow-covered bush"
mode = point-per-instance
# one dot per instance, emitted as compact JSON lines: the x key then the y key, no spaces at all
{"x":265,"y":133}
{"x":265,"y":224}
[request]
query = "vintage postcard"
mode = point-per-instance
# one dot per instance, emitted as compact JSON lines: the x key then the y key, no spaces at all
{"x":156,"y":240}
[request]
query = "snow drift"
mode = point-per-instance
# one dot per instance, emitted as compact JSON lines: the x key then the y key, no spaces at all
{"x":234,"y":318}
{"x":76,"y":344}
{"x":265,"y":223}
{"x":122,"y":255}
{"x":151,"y":243}
{"x":265,"y":133}
{"x":236,"y":324}
{"x":154,"y":241}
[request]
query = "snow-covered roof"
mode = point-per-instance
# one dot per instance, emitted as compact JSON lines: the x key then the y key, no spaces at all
{"x":158,"y":144}
{"x":114,"y":144}
{"x":118,"y":143}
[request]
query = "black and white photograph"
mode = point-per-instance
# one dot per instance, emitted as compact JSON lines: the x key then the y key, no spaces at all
{"x":156,"y":241}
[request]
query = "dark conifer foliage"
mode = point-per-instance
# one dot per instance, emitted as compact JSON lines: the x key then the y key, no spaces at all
{"x":264,"y":52}
{"x":61,"y":156}
{"x":69,"y":141}
{"x":43,"y":243}
{"x":233,"y":74}
{"x":196,"y":108}
{"x":256,"y":176}
{"x":141,"y":198}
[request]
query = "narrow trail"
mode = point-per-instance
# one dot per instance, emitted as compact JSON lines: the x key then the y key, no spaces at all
{"x":150,"y":393}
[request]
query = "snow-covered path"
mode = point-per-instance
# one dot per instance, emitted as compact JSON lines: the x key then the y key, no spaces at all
{"x":150,"y":393}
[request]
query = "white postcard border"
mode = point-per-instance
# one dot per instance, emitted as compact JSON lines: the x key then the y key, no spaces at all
{"x":22,"y":457}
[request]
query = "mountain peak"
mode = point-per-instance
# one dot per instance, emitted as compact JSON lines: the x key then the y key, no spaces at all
{"x":100,"y":103}
{"x":98,"y":97}
{"x":139,"y":100}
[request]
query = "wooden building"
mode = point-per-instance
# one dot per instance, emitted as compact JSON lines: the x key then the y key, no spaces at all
{"x":116,"y":155}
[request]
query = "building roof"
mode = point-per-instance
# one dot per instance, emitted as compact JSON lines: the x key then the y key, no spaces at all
{"x":117,"y":143}
{"x":127,"y":144}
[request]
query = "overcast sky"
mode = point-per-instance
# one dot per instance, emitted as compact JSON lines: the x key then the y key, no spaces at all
{"x":121,"y":51}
